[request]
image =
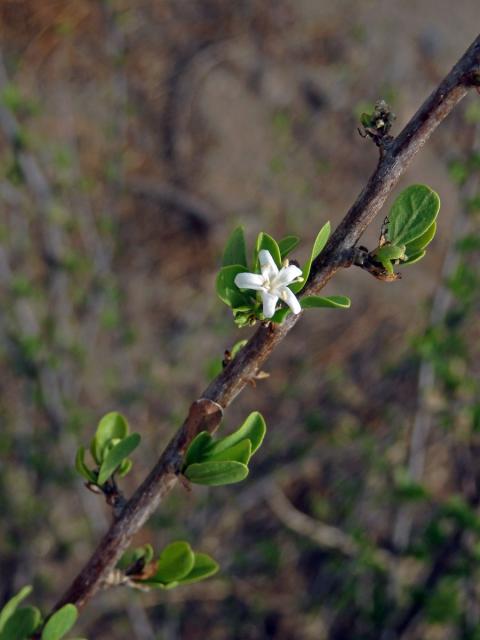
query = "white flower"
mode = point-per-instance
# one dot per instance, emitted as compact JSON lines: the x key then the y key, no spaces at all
{"x":272,"y":283}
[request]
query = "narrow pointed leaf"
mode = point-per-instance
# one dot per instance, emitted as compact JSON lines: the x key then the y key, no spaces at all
{"x":204,"y":566}
{"x":254,"y":429}
{"x":287,"y":244}
{"x":12,"y":605}
{"x":327,"y":302}
{"x":235,"y":251}
{"x":198,"y":449}
{"x":82,"y":468}
{"x":174,"y":563}
{"x":239,"y":452}
{"x":216,"y":473}
{"x":21,"y":624}
{"x":115,"y":456}
{"x":318,"y":246}
{"x":412,"y":213}
{"x":60,"y":623}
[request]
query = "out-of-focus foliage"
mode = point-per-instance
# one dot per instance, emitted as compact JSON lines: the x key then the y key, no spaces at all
{"x":158,"y":127}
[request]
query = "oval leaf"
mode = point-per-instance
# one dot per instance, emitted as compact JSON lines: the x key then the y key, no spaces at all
{"x":204,"y":566}
{"x":21,"y":624}
{"x":318,"y":246}
{"x":174,"y":563}
{"x":254,"y":429}
{"x":112,"y":425}
{"x":9,"y":609}
{"x":327,"y":302}
{"x":115,"y":456}
{"x":60,"y":623}
{"x":239,"y":452}
{"x":216,"y":473}
{"x":412,"y":213}
{"x":235,"y":251}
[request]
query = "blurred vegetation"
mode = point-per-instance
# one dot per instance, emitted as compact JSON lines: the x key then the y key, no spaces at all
{"x":134,"y":136}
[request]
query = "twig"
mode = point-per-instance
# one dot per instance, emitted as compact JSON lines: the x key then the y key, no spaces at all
{"x":322,"y":534}
{"x":220,"y":393}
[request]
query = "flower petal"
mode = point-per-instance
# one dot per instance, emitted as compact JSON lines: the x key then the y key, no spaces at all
{"x":287,"y":275}
{"x":269,"y":304}
{"x":267,"y":263}
{"x":289,"y":297}
{"x":250,"y":281}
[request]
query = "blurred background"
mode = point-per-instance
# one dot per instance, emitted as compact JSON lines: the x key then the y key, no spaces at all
{"x":134,"y":135}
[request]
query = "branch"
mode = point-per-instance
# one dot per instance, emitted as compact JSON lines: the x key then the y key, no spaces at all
{"x":205,"y":414}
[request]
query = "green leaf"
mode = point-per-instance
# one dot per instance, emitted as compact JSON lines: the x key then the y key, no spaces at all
{"x":198,"y":448}
{"x":174,"y":563}
{"x":216,"y":473}
{"x":125,"y":467}
{"x":287,"y":244}
{"x":227,"y":290}
{"x":280,"y":315}
{"x":414,"y":257}
{"x":235,"y":251}
{"x":266,"y":242}
{"x":132,"y":556}
{"x":82,"y":468}
{"x":115,"y":456}
{"x":327,"y":302}
{"x":60,"y":623}
{"x":318,"y":245}
{"x":253,"y":429}
{"x":238,"y":346}
{"x":423,"y":241}
{"x":239,"y":452}
{"x":12,"y":604}
{"x":203,"y":567}
{"x":112,"y":425}
{"x":412,"y":213}
{"x":21,"y":624}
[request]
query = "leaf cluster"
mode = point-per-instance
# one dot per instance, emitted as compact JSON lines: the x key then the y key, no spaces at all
{"x":221,"y":461}
{"x":177,"y":564}
{"x":109,"y":449}
{"x":410,"y":227}
{"x":20,"y":623}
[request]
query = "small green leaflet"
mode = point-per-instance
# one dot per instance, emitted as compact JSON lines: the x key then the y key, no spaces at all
{"x":216,"y":473}
{"x":116,"y":455}
{"x":60,"y":623}
{"x":235,"y":251}
{"x":12,"y":605}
